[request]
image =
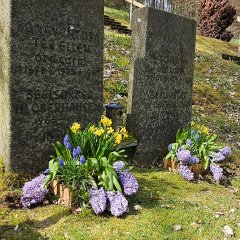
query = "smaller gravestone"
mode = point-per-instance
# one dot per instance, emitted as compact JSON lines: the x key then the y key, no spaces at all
{"x":161,"y":80}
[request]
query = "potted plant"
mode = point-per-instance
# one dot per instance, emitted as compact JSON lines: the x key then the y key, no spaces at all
{"x":90,"y":168}
{"x":196,"y":152}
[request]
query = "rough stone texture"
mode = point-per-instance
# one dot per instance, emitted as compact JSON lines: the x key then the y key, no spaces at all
{"x":161,"y":79}
{"x":51,"y":76}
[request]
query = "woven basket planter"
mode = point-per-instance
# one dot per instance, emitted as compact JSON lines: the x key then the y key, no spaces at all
{"x":64,"y":193}
{"x":197,"y":169}
{"x":169,"y":164}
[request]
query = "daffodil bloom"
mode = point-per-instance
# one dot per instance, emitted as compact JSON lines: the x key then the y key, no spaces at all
{"x":75,"y":127}
{"x":205,"y":130}
{"x":106,"y":121}
{"x":92,"y":128}
{"x":118,"y":138}
{"x":125,"y":135}
{"x":192,"y":123}
{"x":99,"y":132}
{"x":110,"y":130}
{"x":123,"y":130}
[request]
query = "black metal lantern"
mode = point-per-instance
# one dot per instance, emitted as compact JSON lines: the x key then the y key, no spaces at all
{"x":114,"y":111}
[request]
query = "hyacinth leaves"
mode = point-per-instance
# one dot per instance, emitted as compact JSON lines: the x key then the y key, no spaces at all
{"x":104,"y":171}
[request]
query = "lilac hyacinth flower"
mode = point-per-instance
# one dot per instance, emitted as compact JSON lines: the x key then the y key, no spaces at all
{"x":226,"y":151}
{"x":129,"y":183}
{"x":33,"y":192}
{"x":217,"y":171}
{"x":183,"y":156}
{"x":118,"y":203}
{"x":98,"y":200}
{"x":185,"y":172}
{"x":61,"y":162}
{"x":82,"y":159}
{"x":169,"y":147}
{"x":217,"y":157}
{"x":197,"y":137}
{"x":192,"y":132}
{"x":181,"y":148}
{"x":118,"y":166}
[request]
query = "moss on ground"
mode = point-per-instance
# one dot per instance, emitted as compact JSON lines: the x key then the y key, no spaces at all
{"x":202,"y":209}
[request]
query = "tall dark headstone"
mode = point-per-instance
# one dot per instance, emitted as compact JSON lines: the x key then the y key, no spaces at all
{"x":51,"y":75}
{"x":161,"y":79}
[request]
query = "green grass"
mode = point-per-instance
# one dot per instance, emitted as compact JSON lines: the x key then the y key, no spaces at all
{"x":119,"y":15}
{"x":166,"y":199}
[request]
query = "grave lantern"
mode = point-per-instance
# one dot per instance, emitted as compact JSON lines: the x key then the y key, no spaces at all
{"x":114,"y":111}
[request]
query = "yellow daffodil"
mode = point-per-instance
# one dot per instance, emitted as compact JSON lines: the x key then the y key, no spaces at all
{"x":75,"y":127}
{"x":118,"y":138}
{"x":192,"y":123}
{"x":106,"y":121}
{"x":92,"y":129}
{"x":110,"y":130}
{"x":205,"y":130}
{"x":125,"y":135}
{"x":99,"y":132}
{"x":123,"y":130}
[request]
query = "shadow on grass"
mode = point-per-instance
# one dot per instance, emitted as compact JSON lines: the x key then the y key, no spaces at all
{"x":28,"y":230}
{"x":149,"y":193}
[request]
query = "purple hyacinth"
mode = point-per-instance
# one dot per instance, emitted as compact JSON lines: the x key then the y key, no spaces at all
{"x":118,"y":203}
{"x":118,"y":166}
{"x":186,"y":173}
{"x":76,"y":152}
{"x":46,"y":172}
{"x":82,"y":159}
{"x":98,"y":200}
{"x":69,"y":146}
{"x":217,"y":171}
{"x":226,"y":151}
{"x":194,"y":160}
{"x":183,"y":156}
{"x":33,"y":192}
{"x":192,"y":132}
{"x":169,"y":147}
{"x":217,"y":157}
{"x":61,"y":162}
{"x":197,"y":137}
{"x":129,"y":183}
{"x":189,"y":142}
{"x":66,"y":140}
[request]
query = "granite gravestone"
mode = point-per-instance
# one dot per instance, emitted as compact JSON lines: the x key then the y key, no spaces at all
{"x":161,"y":79}
{"x":51,"y":75}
